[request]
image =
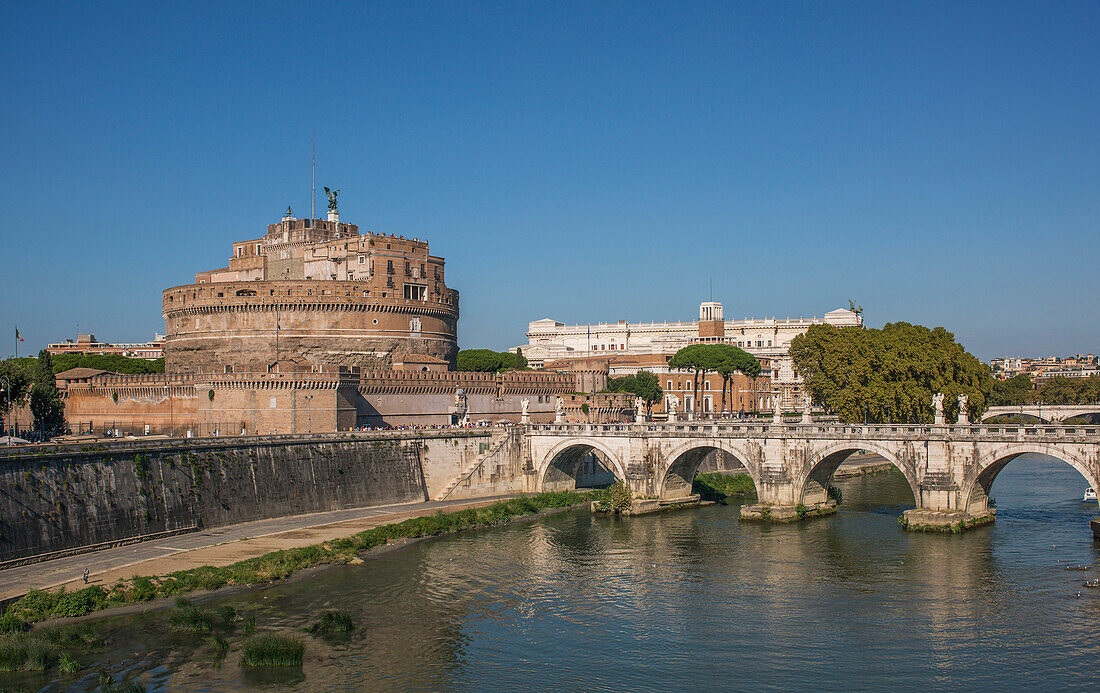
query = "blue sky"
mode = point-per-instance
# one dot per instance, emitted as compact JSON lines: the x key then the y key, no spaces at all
{"x":937,"y":162}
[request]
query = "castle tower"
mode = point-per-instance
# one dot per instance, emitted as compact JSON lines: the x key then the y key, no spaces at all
{"x":712,"y":326}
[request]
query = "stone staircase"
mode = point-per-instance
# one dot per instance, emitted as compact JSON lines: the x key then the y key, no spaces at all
{"x":496,"y":442}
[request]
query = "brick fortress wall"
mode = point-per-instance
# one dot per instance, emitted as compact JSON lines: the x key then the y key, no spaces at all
{"x":333,"y":399}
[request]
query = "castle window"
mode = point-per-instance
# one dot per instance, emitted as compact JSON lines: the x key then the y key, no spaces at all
{"x":389,"y":266}
{"x":362,"y":259}
{"x":415,"y":292}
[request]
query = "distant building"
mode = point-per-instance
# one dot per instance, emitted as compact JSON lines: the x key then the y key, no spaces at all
{"x":634,"y":346}
{"x":87,"y":344}
{"x":1046,"y":367}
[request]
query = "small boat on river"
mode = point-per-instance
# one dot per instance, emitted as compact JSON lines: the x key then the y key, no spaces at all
{"x":1090,"y":495}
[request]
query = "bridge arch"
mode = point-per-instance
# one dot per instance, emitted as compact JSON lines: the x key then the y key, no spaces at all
{"x":560,"y":464}
{"x":980,"y":480}
{"x":682,"y":463}
{"x":814,"y":479}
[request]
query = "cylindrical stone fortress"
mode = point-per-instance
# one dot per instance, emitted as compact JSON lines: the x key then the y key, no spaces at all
{"x":312,"y":292}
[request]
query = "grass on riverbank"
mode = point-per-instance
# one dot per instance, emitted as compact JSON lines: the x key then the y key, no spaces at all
{"x":717,"y":486}
{"x":38,"y":605}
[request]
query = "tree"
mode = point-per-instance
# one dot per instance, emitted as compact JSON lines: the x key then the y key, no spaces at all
{"x":1060,"y":390}
{"x":46,"y":406}
{"x":697,"y":359}
{"x":1011,"y":392}
{"x":521,"y":360}
{"x":15,"y":389}
{"x":489,"y":361}
{"x":642,"y":384}
{"x":730,"y":360}
{"x":889,"y":374}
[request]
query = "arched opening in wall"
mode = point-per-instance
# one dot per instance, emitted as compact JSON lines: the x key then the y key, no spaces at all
{"x":1090,"y":419}
{"x":1038,"y":486}
{"x":579,"y":466}
{"x":713,"y":473}
{"x":863,"y":479}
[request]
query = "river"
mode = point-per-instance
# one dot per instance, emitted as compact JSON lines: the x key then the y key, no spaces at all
{"x":689,"y":599}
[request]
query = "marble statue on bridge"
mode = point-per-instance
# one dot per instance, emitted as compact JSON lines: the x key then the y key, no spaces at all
{"x":964,"y":416}
{"x":937,"y":402}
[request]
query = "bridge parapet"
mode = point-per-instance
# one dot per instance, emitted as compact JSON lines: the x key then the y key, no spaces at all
{"x":824,"y":430}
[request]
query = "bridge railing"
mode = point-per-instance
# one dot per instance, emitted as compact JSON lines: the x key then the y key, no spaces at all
{"x":814,"y":430}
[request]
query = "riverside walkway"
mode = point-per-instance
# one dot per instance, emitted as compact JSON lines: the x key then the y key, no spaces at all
{"x":219,"y":546}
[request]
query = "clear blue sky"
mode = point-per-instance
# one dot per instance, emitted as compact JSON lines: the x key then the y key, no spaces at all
{"x":938,"y":163}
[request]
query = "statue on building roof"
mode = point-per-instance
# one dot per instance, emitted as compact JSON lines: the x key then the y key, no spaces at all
{"x":288,"y":212}
{"x":331,"y":198}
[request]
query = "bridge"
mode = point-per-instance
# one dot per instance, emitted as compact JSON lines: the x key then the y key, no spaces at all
{"x":1044,"y":412}
{"x":950,"y":468}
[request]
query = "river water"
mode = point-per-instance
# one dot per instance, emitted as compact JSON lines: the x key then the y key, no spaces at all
{"x":690,"y":599}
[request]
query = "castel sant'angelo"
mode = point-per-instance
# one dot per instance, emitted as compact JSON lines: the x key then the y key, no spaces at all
{"x":313,"y":292}
{"x":311,"y":327}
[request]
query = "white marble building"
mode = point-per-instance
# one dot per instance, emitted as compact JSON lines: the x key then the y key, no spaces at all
{"x":766,"y":338}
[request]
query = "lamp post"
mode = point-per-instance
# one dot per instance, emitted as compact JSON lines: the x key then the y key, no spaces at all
{"x":309,"y":411}
{"x":5,"y":387}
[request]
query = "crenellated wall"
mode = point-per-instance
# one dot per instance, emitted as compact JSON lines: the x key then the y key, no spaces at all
{"x":332,"y":399}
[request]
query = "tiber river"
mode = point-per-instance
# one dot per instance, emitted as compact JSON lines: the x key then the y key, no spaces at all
{"x":689,"y":600}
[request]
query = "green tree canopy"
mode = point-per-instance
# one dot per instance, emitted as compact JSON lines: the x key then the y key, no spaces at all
{"x":642,"y":384}
{"x":889,"y":374}
{"x":1062,"y":390}
{"x":489,"y":361}
{"x":724,"y":359}
{"x":1011,"y":392}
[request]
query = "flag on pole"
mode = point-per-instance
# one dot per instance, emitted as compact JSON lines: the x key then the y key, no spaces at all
{"x":17,"y":335}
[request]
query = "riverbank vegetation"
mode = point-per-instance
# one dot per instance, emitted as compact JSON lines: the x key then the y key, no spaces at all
{"x":39,"y":605}
{"x":717,"y":486}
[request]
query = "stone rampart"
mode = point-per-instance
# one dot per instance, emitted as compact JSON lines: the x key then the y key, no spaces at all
{"x":318,"y":322}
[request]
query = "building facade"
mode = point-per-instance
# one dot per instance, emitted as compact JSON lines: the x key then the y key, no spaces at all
{"x":88,"y":344}
{"x":313,"y":292}
{"x":634,"y":346}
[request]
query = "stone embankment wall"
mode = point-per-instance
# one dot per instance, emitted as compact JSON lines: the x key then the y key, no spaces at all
{"x":64,"y":499}
{"x":473,"y":468}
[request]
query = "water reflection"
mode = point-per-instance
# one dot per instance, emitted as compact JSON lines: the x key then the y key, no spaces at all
{"x":696,"y":599}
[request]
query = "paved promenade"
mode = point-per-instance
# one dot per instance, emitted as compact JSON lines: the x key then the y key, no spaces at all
{"x":217,"y":547}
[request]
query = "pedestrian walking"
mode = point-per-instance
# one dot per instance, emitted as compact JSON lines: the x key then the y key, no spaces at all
{"x":85,"y":576}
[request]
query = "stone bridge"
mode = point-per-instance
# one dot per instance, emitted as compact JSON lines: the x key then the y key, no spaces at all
{"x":950,"y":468}
{"x":1044,"y":412}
